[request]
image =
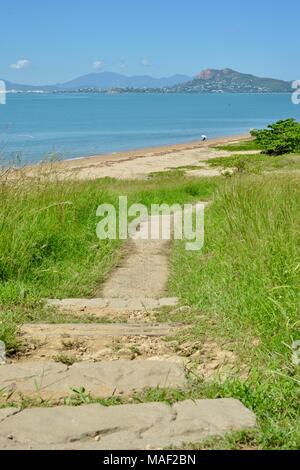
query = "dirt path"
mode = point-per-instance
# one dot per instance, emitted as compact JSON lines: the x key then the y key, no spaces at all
{"x":72,"y":362}
{"x":144,"y":271}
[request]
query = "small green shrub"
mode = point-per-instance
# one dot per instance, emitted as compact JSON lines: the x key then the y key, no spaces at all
{"x":279,"y":138}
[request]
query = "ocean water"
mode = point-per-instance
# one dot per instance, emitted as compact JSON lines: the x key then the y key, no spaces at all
{"x":36,"y":126}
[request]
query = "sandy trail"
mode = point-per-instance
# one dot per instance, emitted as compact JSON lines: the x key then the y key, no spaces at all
{"x":144,"y":271}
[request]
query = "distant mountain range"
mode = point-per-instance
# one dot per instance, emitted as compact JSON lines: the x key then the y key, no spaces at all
{"x":105,"y":81}
{"x":208,"y":81}
{"x":19,"y":87}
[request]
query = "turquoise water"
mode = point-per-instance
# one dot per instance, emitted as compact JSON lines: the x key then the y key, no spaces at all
{"x":72,"y":125}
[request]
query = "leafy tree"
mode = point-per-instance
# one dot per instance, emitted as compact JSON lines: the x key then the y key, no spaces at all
{"x":279,"y":138}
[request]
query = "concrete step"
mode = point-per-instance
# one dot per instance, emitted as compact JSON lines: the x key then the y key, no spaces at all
{"x":51,"y":380}
{"x":96,"y":342}
{"x":144,"y":426}
{"x":104,"y":307}
{"x":75,"y":330}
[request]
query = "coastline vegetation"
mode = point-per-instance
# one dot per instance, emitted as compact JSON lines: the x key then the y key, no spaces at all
{"x":242,"y":290}
{"x":279,"y":138}
{"x":257,"y":163}
{"x":244,"y":146}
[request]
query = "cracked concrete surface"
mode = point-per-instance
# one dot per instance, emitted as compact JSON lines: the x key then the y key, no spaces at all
{"x":50,"y":380}
{"x":149,"y":425}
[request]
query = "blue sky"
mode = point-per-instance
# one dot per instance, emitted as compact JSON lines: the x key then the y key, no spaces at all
{"x":54,"y":41}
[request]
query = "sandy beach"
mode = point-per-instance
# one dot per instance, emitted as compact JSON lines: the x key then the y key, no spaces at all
{"x":139,"y":164}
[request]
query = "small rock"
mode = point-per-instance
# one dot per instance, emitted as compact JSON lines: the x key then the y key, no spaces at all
{"x":9,"y":390}
{"x":196,"y":355}
{"x":2,"y":353}
{"x":98,"y":438}
{"x":183,"y":309}
{"x":214,"y":365}
{"x":296,"y":353}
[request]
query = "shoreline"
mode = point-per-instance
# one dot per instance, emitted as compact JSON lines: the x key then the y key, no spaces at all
{"x":140,"y":164}
{"x":153,"y":151}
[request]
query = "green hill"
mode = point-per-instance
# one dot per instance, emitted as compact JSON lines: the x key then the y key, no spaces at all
{"x":230,"y":81}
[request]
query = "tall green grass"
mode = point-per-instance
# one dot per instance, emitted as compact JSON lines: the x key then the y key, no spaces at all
{"x":257,"y":163}
{"x":246,"y":283}
{"x":252,"y":271}
{"x":243,"y":146}
{"x":48,"y":243}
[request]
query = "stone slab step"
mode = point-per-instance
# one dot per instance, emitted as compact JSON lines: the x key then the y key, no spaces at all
{"x":51,"y":380}
{"x":102,"y":306}
{"x":76,"y":330}
{"x":127,"y":427}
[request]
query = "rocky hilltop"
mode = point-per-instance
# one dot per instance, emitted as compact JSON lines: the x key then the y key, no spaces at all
{"x":230,"y":81}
